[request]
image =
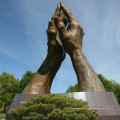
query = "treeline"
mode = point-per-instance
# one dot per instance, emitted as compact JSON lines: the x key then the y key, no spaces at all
{"x":10,"y":86}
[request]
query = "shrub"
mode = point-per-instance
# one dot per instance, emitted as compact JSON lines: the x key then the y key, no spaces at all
{"x":54,"y":107}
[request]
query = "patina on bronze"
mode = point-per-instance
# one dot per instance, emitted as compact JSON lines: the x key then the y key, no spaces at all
{"x":61,"y":40}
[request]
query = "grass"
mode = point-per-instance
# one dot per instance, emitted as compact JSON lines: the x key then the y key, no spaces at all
{"x":2,"y":116}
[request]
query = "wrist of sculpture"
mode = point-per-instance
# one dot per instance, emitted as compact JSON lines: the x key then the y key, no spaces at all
{"x":55,"y":55}
{"x":54,"y":59}
{"x":76,"y":54}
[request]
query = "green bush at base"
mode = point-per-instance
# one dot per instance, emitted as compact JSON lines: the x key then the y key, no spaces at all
{"x":54,"y":107}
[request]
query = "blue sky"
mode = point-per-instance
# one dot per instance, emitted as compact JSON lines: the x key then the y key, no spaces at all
{"x":23,"y":40}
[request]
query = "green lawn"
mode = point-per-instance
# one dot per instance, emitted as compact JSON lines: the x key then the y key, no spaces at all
{"x":2,"y":116}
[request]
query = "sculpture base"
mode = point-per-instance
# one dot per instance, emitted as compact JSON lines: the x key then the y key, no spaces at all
{"x":104,"y":102}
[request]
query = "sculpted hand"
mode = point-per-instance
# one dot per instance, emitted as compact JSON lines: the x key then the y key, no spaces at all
{"x":72,"y":42}
{"x":42,"y":80}
{"x":55,"y":48}
{"x":72,"y":36}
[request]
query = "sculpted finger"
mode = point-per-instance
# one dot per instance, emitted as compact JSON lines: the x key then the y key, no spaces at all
{"x":67,"y":12}
{"x":51,"y":33}
{"x":62,"y":16}
{"x":57,"y":11}
{"x":51,"y":27}
{"x":60,"y":26}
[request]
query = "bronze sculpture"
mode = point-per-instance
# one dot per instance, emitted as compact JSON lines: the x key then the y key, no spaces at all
{"x":61,"y":40}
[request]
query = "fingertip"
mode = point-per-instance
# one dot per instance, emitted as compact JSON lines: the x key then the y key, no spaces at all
{"x":51,"y":23}
{"x":61,"y":3}
{"x":57,"y":11}
{"x":51,"y":28}
{"x":58,"y":5}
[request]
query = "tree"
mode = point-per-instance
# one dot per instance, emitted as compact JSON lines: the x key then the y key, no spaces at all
{"x":107,"y":83}
{"x":110,"y":86}
{"x":54,"y":107}
{"x":74,"y":88}
{"x":0,"y":103}
{"x":117,"y":91}
{"x":26,"y":79}
{"x":9,"y":86}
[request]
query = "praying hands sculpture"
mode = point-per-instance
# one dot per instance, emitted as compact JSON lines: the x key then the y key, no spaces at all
{"x":62,"y":40}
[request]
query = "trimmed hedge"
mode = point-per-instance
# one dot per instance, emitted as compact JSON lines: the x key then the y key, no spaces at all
{"x":54,"y":107}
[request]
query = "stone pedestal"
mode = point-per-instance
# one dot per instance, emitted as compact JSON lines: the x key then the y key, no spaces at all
{"x":104,"y":102}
